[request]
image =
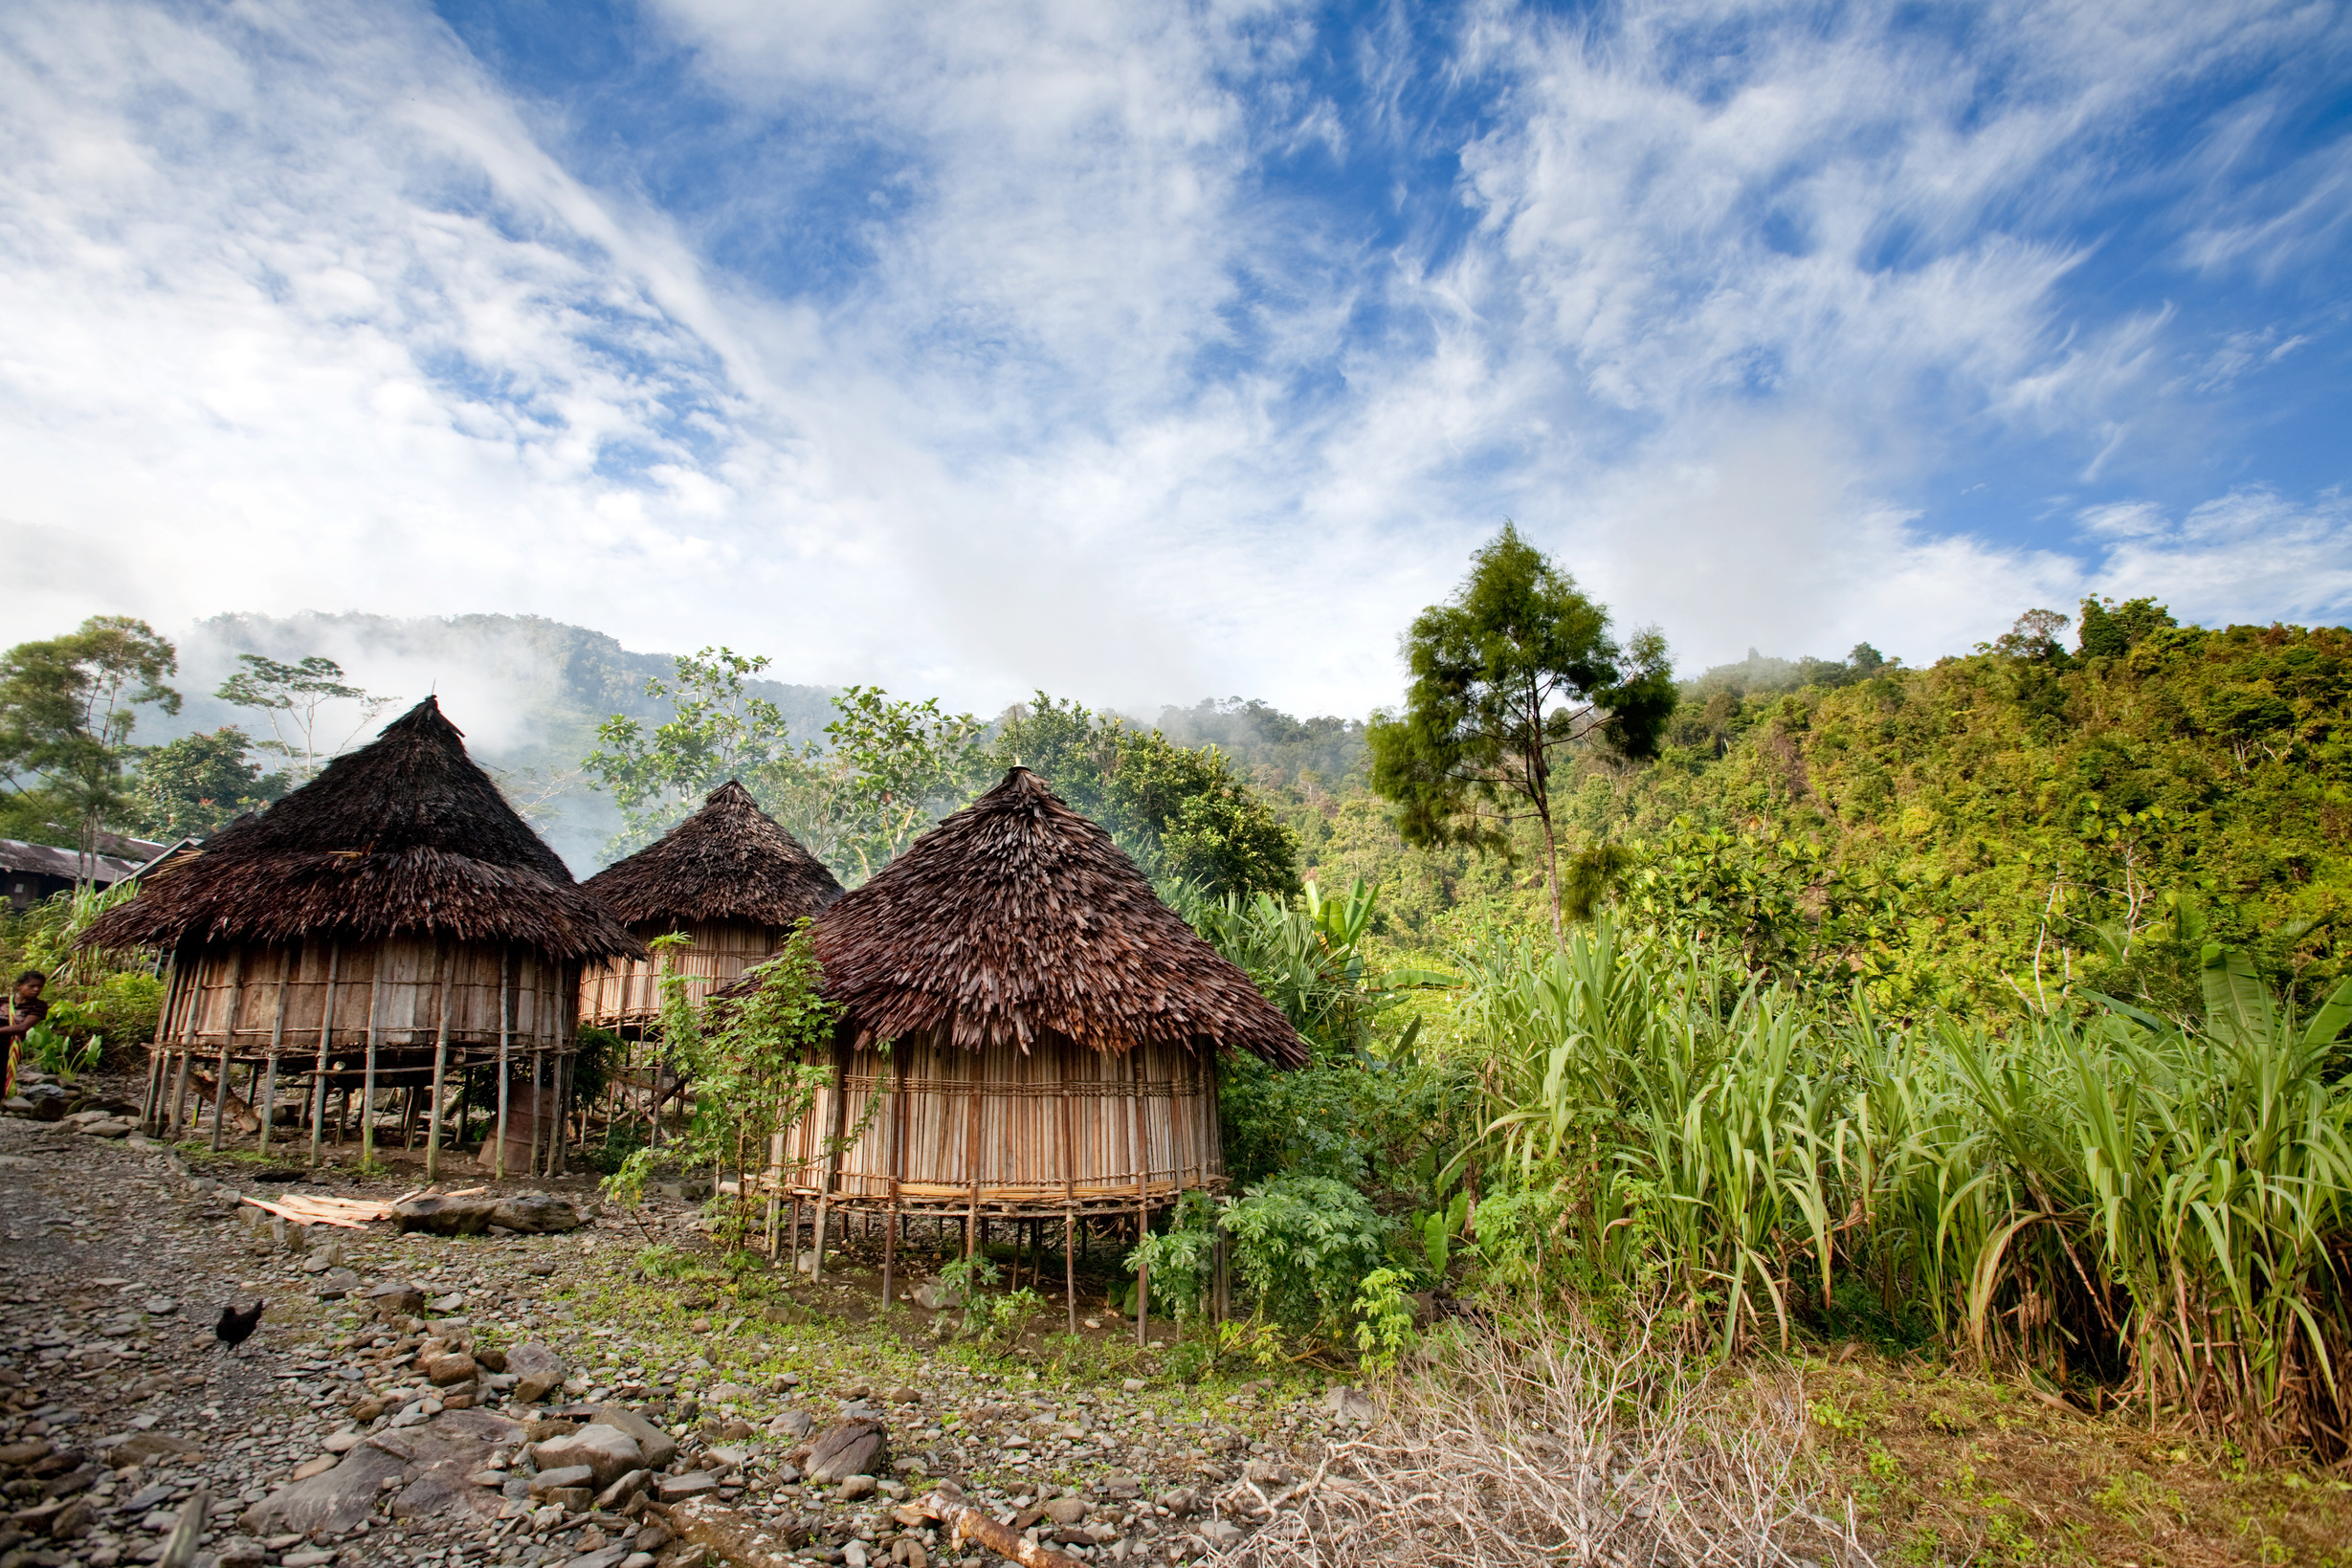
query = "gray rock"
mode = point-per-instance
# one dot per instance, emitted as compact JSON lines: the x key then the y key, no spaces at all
{"x":1067,"y":1511}
{"x":1352,"y":1405}
{"x":856,"y":1487}
{"x":608,"y":1451}
{"x":677,"y":1489}
{"x":608,"y":1556}
{"x":445,"y":1216}
{"x":855,"y":1447}
{"x":391,"y":1297}
{"x":794,"y":1424}
{"x":560,"y":1478}
{"x":617,"y":1494}
{"x":534,"y":1213}
{"x":537,"y":1370}
{"x":141,"y":1447}
{"x":657,"y":1447}
{"x":481,"y":1427}
{"x":1218,"y":1534}
{"x":331,"y":1503}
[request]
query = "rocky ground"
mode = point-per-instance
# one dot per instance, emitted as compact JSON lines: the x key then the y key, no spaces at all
{"x":567,"y":1398}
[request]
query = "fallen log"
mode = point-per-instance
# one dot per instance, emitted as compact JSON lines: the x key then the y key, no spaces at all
{"x":247,"y":1121}
{"x":972,"y":1525}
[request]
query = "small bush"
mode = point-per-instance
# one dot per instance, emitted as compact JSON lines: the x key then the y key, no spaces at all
{"x":1304,"y":1244}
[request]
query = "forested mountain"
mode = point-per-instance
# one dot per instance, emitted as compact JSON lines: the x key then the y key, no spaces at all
{"x":530,"y":693}
{"x":2093,"y":815}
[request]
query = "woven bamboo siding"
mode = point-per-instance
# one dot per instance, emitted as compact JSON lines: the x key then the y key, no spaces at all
{"x":400,"y":977}
{"x":626,"y":993}
{"x":1062,"y":1127}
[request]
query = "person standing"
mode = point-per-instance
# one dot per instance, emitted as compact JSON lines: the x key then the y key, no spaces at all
{"x":26,"y":1010}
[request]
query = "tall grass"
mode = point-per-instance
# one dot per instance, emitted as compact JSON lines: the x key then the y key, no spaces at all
{"x":2121,"y":1200}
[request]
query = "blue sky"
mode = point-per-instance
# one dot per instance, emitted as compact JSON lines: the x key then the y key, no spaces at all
{"x":1143,"y":352}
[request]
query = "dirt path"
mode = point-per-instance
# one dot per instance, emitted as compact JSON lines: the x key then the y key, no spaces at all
{"x":117,"y":1404}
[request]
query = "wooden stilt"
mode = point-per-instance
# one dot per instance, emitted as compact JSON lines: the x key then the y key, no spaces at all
{"x":318,"y":1084}
{"x":187,"y":1049}
{"x":971,"y":1155}
{"x":159,"y":1060}
{"x":538,"y":1100}
{"x":772,"y":1178}
{"x":1139,"y":1139}
{"x":1070,"y":1266}
{"x":228,"y":1038}
{"x":266,"y":1102}
{"x":367,"y":1082}
{"x":506,"y":1035}
{"x":833,"y":1159}
{"x":440,"y":1069}
{"x":898,"y":1172}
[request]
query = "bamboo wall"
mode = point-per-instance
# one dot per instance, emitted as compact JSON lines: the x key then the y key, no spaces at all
{"x":1063,"y":1129}
{"x":276,"y":998}
{"x":626,"y":993}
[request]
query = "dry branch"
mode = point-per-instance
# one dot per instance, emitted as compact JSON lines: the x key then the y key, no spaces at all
{"x":1558,"y":1450}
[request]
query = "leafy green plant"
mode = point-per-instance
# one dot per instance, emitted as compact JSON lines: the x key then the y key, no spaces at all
{"x":662,"y":1261}
{"x":748,"y":1060}
{"x":1180,"y":1261}
{"x":1438,"y":1230}
{"x":1384,"y":1320}
{"x":54,"y":1051}
{"x":1304,"y":1246}
{"x":625,"y":1186}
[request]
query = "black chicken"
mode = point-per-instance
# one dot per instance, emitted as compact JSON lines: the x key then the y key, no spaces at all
{"x":237,"y":1326}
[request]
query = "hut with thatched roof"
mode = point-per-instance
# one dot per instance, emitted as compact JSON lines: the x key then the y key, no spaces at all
{"x":729,"y":878}
{"x":1054,"y":1029}
{"x":387,"y":924}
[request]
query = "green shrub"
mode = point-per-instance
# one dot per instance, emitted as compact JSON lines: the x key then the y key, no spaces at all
{"x":122,"y":1006}
{"x":1182,"y":1259}
{"x":1304,"y":1246}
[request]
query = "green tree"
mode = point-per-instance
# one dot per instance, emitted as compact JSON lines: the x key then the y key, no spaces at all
{"x":292,"y":698}
{"x":753,"y":1061}
{"x":67,"y":708}
{"x":2111,"y":631}
{"x":1517,"y":666}
{"x":1181,"y":811}
{"x":199,"y":783}
{"x":896,"y":768}
{"x":718,"y":729}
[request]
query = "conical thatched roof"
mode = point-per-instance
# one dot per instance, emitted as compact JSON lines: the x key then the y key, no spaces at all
{"x":729,"y":861}
{"x":1018,"y":918}
{"x":407,"y":833}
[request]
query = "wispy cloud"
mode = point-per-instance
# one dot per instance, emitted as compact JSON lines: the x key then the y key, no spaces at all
{"x":1144,"y":351}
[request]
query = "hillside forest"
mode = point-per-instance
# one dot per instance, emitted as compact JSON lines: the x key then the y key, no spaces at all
{"x":1991,"y":1010}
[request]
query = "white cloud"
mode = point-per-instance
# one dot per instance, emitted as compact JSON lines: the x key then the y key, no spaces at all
{"x":297,"y":311}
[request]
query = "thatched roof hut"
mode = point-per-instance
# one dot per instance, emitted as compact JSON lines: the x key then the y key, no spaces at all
{"x":1019,"y":922}
{"x":1054,"y":1029}
{"x":407,"y":835}
{"x":391,"y":919}
{"x":729,"y":878}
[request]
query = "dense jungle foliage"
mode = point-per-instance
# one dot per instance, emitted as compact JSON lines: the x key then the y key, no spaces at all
{"x":1993,"y":1010}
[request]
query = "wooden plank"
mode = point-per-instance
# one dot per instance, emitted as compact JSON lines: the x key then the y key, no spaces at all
{"x":349,"y":1213}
